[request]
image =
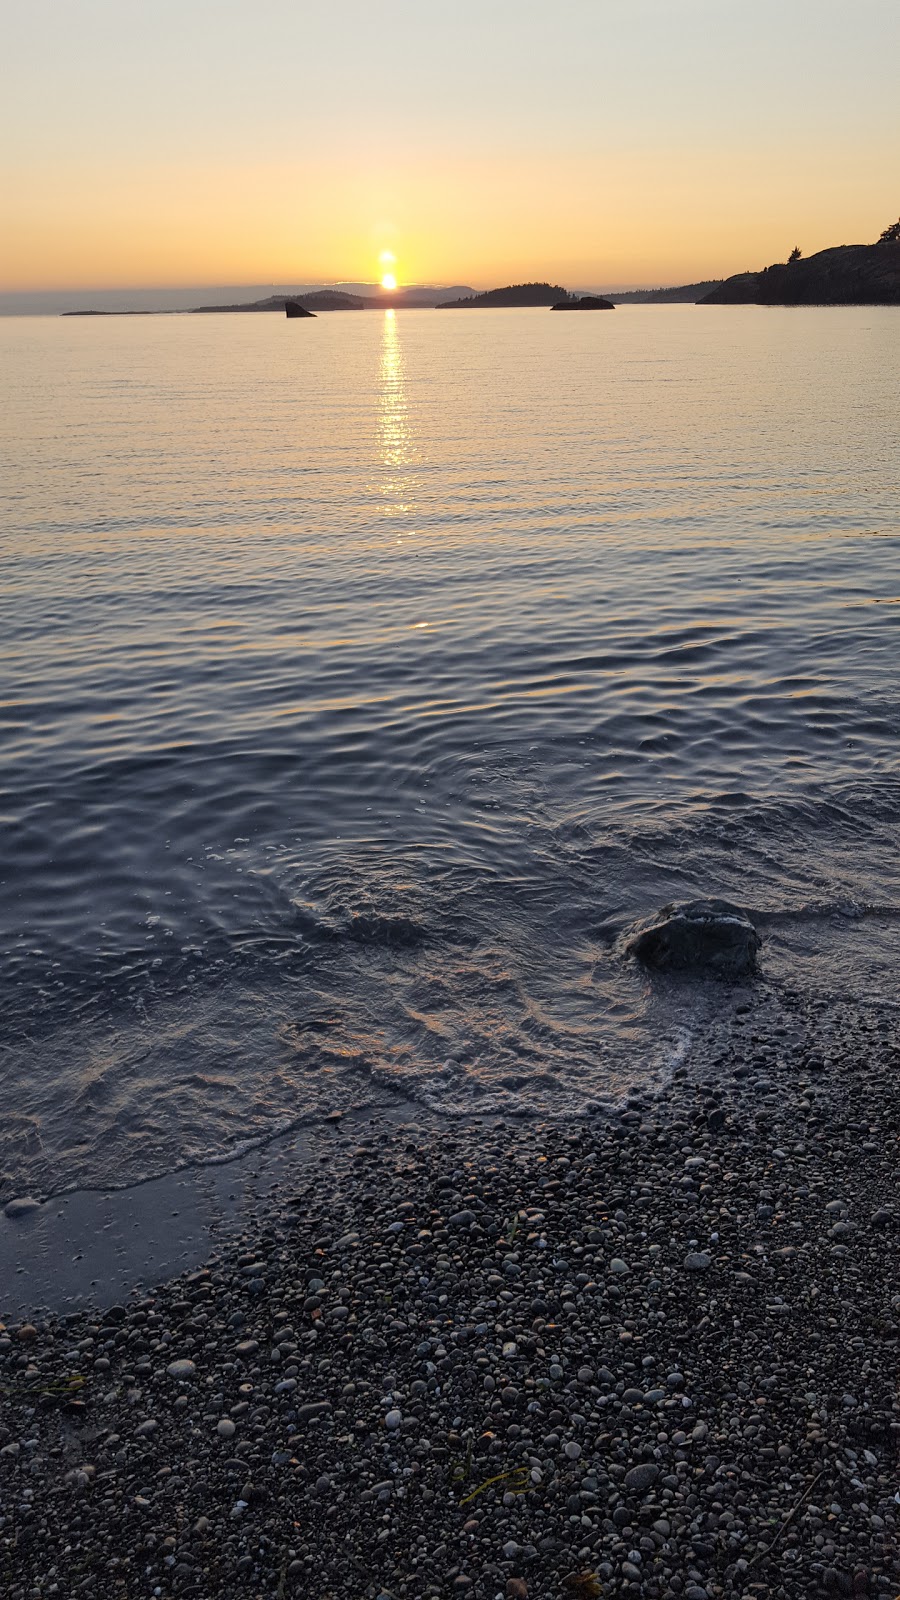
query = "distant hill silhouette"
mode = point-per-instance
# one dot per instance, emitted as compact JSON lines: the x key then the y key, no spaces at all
{"x":847,"y":275}
{"x":411,"y":294}
{"x":515,"y":294}
{"x":320,"y":300}
{"x":339,"y":300}
{"x":685,"y":294}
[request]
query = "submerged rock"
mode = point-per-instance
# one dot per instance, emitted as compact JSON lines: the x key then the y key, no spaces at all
{"x":23,"y":1206}
{"x":702,"y":935}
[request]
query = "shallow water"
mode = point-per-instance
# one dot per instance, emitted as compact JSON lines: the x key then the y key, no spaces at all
{"x":362,"y":682}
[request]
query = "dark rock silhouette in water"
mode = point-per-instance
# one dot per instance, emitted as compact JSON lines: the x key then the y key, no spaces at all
{"x":585,"y":302}
{"x":293,"y":308}
{"x":710,"y":936}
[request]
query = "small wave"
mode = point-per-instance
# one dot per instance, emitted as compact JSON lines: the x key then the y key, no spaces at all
{"x":830,"y":910}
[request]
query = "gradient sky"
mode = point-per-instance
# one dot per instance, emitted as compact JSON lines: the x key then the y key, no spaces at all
{"x":585,"y":141}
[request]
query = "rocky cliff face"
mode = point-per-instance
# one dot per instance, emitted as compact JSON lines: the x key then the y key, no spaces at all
{"x":849,"y":275}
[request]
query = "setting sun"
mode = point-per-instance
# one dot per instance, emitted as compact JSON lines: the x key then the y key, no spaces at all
{"x":389,"y":281}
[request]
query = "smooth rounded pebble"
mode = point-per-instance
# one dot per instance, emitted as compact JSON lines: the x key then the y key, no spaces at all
{"x":225,"y":1428}
{"x":641,"y":1477}
{"x":698,"y":1261}
{"x":181,"y":1369}
{"x":22,"y":1206}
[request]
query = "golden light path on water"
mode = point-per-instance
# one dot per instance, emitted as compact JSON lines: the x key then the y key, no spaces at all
{"x":398,"y":451}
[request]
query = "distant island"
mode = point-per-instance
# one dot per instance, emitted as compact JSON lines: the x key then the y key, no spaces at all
{"x":515,"y":294}
{"x":847,"y":275}
{"x":584,"y":302}
{"x":320,"y":300}
{"x":686,"y":294}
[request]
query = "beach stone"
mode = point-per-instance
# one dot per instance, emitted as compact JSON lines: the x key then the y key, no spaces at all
{"x":225,"y":1428}
{"x":700,"y":935}
{"x":393,"y":1419}
{"x":181,"y":1369}
{"x":618,"y":1266}
{"x":22,"y":1206}
{"x":698,"y":1261}
{"x":641,"y":1477}
{"x":315,"y":1408}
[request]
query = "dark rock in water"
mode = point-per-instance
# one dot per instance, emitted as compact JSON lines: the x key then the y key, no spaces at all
{"x":586,"y":302}
{"x":293,"y":308}
{"x":23,"y":1206}
{"x":702,"y":935}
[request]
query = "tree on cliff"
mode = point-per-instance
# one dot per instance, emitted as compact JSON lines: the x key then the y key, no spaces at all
{"x":795,"y":254}
{"x":891,"y":235}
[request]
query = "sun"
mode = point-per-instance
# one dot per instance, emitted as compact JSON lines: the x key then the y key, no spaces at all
{"x":387,"y":260}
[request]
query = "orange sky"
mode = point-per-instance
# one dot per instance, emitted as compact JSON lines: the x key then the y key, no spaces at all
{"x":145,"y":142}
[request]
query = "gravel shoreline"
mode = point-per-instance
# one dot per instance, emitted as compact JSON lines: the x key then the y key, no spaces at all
{"x":653,"y":1357}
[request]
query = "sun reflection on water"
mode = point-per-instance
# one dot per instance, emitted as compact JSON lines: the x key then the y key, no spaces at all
{"x":397,"y":449}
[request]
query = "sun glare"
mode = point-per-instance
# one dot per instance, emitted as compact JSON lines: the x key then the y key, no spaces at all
{"x":389,"y":281}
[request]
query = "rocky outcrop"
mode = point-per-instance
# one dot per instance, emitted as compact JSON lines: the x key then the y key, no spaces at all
{"x":849,"y":275}
{"x":293,"y":308}
{"x":586,"y":302}
{"x":710,"y":936}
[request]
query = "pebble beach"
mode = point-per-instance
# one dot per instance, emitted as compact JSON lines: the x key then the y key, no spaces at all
{"x":650,"y":1356}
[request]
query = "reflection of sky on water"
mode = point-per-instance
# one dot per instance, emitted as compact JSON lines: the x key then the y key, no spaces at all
{"x":372,"y":679}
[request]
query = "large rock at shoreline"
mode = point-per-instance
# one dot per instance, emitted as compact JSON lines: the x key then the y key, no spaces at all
{"x":701,"y":935}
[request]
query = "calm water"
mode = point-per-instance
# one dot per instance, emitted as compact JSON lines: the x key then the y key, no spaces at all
{"x":362,"y":682}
